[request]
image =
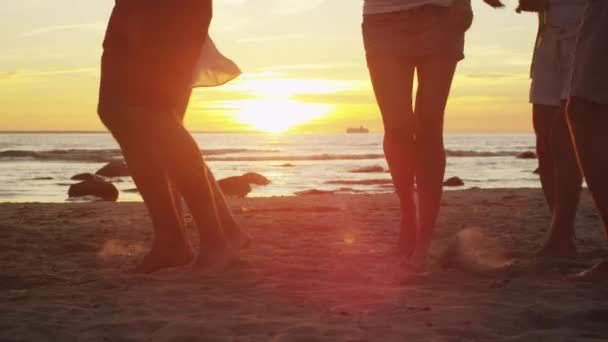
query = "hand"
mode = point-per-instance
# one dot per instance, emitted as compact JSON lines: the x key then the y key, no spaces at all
{"x":494,"y":3}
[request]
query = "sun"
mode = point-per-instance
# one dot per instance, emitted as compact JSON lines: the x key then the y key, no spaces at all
{"x":274,"y":106}
{"x":278,"y":115}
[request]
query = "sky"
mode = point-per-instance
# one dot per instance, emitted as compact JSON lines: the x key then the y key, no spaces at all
{"x":303,"y":63}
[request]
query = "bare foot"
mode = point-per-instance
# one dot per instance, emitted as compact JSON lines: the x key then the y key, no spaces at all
{"x":238,"y":238}
{"x":555,"y":248}
{"x":597,"y":272}
{"x":407,"y":238}
{"x":415,"y":264}
{"x":216,"y":257}
{"x":165,"y":256}
{"x":243,"y":240}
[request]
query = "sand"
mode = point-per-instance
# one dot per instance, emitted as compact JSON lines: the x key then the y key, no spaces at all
{"x":317,"y":271}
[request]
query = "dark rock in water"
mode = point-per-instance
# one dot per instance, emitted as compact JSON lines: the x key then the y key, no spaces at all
{"x":255,"y":178}
{"x":369,"y":169}
{"x":287,"y":165}
{"x":527,"y":155}
{"x":537,"y":171}
{"x":115,"y":168}
{"x":19,"y":154}
{"x":240,"y":186}
{"x":42,"y":178}
{"x":314,"y":192}
{"x":453,"y":182}
{"x":94,"y":187}
{"x":86,"y":177}
{"x":235,"y":186}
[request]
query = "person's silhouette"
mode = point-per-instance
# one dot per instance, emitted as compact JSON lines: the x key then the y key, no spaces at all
{"x":151,"y":50}
{"x":588,"y":110}
{"x":403,"y":39}
{"x":551,"y":72}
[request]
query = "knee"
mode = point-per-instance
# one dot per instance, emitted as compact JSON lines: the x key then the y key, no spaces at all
{"x":430,"y":141}
{"x":402,"y":136}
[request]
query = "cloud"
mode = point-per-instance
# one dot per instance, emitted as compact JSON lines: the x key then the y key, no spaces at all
{"x":285,"y":7}
{"x":491,"y":76}
{"x":8,"y":76}
{"x":261,"y":39}
{"x":296,"y":6}
{"x":313,"y":66}
{"x":57,"y":28}
{"x":32,"y":74}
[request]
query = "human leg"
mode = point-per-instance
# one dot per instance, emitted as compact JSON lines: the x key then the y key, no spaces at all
{"x":543,"y":117}
{"x":566,"y":191}
{"x":227,"y":220}
{"x":392,"y":80}
{"x":178,"y":152}
{"x":170,"y":245}
{"x":434,"y":83}
{"x":588,"y":126}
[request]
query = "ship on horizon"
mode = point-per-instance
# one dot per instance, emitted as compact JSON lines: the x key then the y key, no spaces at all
{"x":354,"y":130}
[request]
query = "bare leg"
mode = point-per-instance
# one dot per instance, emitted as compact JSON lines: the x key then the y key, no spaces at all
{"x":392,"y":79}
{"x":566,"y":192}
{"x":434,"y":83}
{"x":228,"y":223}
{"x":179,"y":208}
{"x":232,"y":229}
{"x":544,"y":117}
{"x":170,"y":247}
{"x":588,"y":126}
{"x":187,"y":170}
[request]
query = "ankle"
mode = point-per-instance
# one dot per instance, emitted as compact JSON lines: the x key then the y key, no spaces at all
{"x":215,"y":241}
{"x":561,"y":236}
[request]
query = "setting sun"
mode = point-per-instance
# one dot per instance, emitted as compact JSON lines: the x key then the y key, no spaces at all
{"x":271,"y":105}
{"x":278,"y":115}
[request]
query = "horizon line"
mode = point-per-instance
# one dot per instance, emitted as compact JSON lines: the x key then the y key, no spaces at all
{"x":237,"y":132}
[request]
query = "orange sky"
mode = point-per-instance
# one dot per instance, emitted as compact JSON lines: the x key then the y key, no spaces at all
{"x":303,"y":61}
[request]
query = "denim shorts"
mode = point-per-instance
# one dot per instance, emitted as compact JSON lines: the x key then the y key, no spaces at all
{"x":590,"y":63}
{"x":150,"y":53}
{"x":425,"y":31}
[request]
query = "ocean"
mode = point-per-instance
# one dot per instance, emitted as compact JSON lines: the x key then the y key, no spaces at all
{"x":37,"y":167}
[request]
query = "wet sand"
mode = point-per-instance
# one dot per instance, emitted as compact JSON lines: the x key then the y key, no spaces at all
{"x":317,"y":270}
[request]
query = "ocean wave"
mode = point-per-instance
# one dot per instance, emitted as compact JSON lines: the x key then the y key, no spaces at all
{"x":360,"y":182}
{"x":365,"y":156}
{"x":101,"y":156}
{"x":300,"y":158}
{"x":465,"y":153}
{"x":227,"y":155}
{"x":61,"y":155}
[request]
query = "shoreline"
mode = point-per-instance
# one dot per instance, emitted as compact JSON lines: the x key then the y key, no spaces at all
{"x":317,"y":271}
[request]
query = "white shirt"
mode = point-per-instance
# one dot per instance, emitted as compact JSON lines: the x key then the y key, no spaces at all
{"x":387,"y":6}
{"x":213,"y":68}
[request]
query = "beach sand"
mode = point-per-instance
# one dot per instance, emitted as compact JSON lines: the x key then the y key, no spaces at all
{"x":317,"y":270}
